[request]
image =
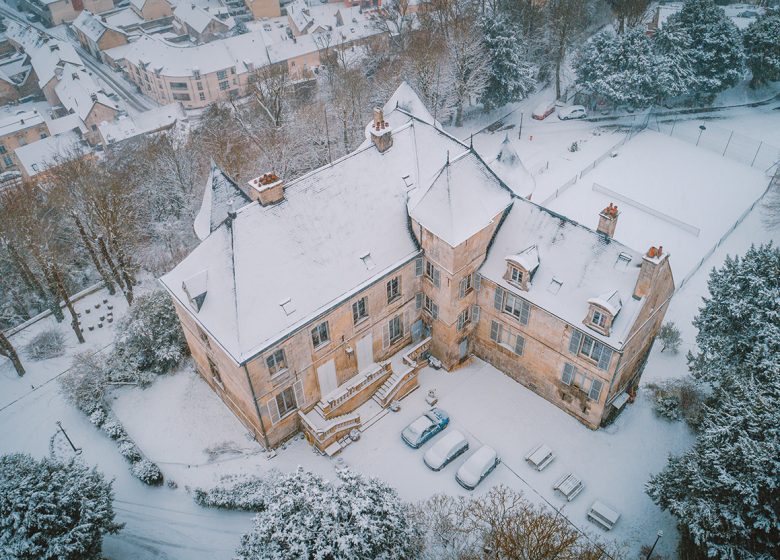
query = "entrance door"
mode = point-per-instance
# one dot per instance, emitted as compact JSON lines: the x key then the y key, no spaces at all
{"x":326,"y":375}
{"x":365,"y":352}
{"x":463,"y":348}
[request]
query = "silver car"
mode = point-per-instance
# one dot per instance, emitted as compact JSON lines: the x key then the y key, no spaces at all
{"x":445,"y":450}
{"x":477,"y":467}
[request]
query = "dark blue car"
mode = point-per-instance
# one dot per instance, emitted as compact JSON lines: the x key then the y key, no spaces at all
{"x":425,"y":427}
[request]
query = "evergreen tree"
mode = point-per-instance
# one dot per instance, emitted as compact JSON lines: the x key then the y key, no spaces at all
{"x":715,"y":45}
{"x":674,"y":72}
{"x":511,"y":76}
{"x":762,"y":47}
{"x":726,"y":490}
{"x":305,"y":516}
{"x":618,"y":69}
{"x":53,"y":511}
{"x":739,"y":324}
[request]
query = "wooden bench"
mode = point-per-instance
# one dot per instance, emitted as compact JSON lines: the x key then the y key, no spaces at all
{"x":569,"y":485}
{"x":603,"y":515}
{"x":540,"y":456}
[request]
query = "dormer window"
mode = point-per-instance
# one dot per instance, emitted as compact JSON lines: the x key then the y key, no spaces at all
{"x":599,"y":319}
{"x":602,"y":311}
{"x":521,"y":267}
{"x":195,"y":287}
{"x":515,"y":275}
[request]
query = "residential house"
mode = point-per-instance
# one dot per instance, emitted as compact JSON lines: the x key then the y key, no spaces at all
{"x":16,"y":131}
{"x":55,"y":12}
{"x":306,"y":298}
{"x":261,"y":9}
{"x":38,"y":159}
{"x":96,"y":35}
{"x":79,"y":94}
{"x":127,"y":127}
{"x":151,"y":9}
{"x":16,"y":77}
{"x":200,"y":23}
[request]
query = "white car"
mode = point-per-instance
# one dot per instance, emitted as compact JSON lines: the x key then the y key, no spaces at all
{"x":477,"y":467}
{"x":573,"y":112}
{"x":445,"y":450}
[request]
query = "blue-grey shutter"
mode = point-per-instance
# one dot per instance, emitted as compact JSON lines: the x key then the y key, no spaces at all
{"x":568,"y":373}
{"x":525,"y":310}
{"x":418,"y":266}
{"x":475,"y":314}
{"x":460,"y":321}
{"x":605,"y":358}
{"x":273,"y":410}
{"x":300,"y":398}
{"x":495,"y":331}
{"x":418,"y":300}
{"x":462,"y":288}
{"x":595,"y":390}
{"x":477,"y":281}
{"x":498,"y":300}
{"x":434,"y":310}
{"x":574,"y":343}
{"x":386,"y":335}
{"x":436,"y":277}
{"x":519,"y":345}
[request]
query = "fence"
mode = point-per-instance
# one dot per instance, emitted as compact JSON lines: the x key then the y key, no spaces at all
{"x":774,"y":182}
{"x":723,"y":141}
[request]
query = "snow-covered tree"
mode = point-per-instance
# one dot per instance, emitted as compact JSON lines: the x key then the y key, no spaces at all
{"x":53,"y":511}
{"x":715,"y":45}
{"x":307,"y":517}
{"x":739,"y":323}
{"x":618,"y":69}
{"x":725,"y":491}
{"x":149,"y":337}
{"x":511,"y":76}
{"x":762,"y":48}
{"x":674,"y":72}
{"x":629,"y":13}
{"x":669,"y":335}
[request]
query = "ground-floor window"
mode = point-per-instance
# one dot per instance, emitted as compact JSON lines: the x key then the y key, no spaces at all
{"x":285,"y":401}
{"x":575,"y":377}
{"x":396,"y":328}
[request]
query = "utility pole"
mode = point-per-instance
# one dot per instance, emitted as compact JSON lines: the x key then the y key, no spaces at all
{"x":520,"y":132}
{"x":76,"y":450}
{"x":657,"y":538}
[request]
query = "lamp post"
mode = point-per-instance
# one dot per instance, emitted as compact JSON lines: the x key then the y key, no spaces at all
{"x":702,"y":128}
{"x":76,"y":450}
{"x":657,"y":538}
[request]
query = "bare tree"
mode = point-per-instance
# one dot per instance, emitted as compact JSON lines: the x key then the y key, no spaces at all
{"x":271,"y":88}
{"x":7,"y":350}
{"x":396,"y":19}
{"x":566,"y":20}
{"x":468,"y":68}
{"x":629,"y":13}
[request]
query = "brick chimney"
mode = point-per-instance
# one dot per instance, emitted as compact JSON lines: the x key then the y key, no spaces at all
{"x":267,"y":189}
{"x":608,"y":220}
{"x":381,"y":135}
{"x":648,"y":271}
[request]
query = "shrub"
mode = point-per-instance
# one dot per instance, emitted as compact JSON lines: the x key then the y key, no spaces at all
{"x":237,"y":492}
{"x":150,"y":336}
{"x":678,"y":399}
{"x":45,"y":345}
{"x":147,"y":472}
{"x":130,"y":451}
{"x":85,"y":383}
{"x":670,"y":337}
{"x":114,"y":430}
{"x":98,"y":417}
{"x":51,"y":509}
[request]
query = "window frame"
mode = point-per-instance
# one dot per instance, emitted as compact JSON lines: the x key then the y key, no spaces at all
{"x":317,"y":331}
{"x":280,"y":404}
{"x":599,"y":318}
{"x":399,"y":326}
{"x":515,"y":309}
{"x":275,"y":368}
{"x":393,"y":288}
{"x":357,"y":317}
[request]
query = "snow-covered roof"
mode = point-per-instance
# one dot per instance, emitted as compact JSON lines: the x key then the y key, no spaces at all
{"x":198,"y":18}
{"x":15,"y":70}
{"x":510,"y":168}
{"x":89,"y":25}
{"x":307,"y":249}
{"x":220,"y":192}
{"x":574,"y":263}
{"x":407,"y":99}
{"x":610,"y":301}
{"x":20,"y":121}
{"x":78,"y":92}
{"x":40,"y":155}
{"x":65,"y":123}
{"x":153,"y":120}
{"x":464,"y":198}
{"x":528,"y":259}
{"x":46,"y":54}
{"x":300,"y":15}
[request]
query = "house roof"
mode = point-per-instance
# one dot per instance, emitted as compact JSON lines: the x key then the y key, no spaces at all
{"x":463,"y":199}
{"x":153,"y":120}
{"x":22,"y":120}
{"x":220,"y":193}
{"x":89,"y":25}
{"x":509,"y":166}
{"x":46,"y":54}
{"x":576,"y":264}
{"x":300,"y":15}
{"x":78,"y":92}
{"x":310,"y":248}
{"x":40,"y":155}
{"x":197,"y":17}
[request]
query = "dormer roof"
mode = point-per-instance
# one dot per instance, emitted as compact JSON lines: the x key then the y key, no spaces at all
{"x":528,"y":259}
{"x":610,"y":301}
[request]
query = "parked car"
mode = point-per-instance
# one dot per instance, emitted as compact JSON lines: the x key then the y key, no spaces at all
{"x":573,"y":112}
{"x":444,"y":451}
{"x":543,"y":110}
{"x":34,"y":18}
{"x":425,"y":427}
{"x":477,"y":467}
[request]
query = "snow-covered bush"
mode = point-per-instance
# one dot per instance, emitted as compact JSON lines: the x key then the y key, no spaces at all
{"x":307,"y":517}
{"x":678,"y":399}
{"x":114,"y":429}
{"x":150,"y":337}
{"x":45,"y":345}
{"x":762,"y":47}
{"x":237,"y":492}
{"x":98,"y":417}
{"x":147,"y":472}
{"x":50,"y":509}
{"x":669,"y":335}
{"x":130,"y":451}
{"x":85,"y":383}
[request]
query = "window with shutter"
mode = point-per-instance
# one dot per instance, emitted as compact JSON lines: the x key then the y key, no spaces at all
{"x":393,"y":289}
{"x":525,"y":312}
{"x":495,"y":331}
{"x":418,"y":266}
{"x":273,"y":411}
{"x":568,"y":373}
{"x":285,"y":402}
{"x":477,"y":281}
{"x":519,"y":345}
{"x":418,"y":300}
{"x":574,"y":343}
{"x":462,"y":288}
{"x":498,"y":299}
{"x":386,"y":336}
{"x":436,"y":277}
{"x":595,"y":390}
{"x":461,"y":321}
{"x":605,"y":358}
{"x":434,"y":310}
{"x":300,"y":398}
{"x":475,"y":314}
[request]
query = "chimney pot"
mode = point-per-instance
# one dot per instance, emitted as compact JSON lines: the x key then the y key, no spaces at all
{"x":660,"y":250}
{"x":608,"y":220}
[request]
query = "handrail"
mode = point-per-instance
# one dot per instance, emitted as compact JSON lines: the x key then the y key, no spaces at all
{"x":321,"y":434}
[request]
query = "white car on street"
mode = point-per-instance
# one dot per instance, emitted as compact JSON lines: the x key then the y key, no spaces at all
{"x":573,"y":112}
{"x":477,"y":467}
{"x":445,"y":450}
